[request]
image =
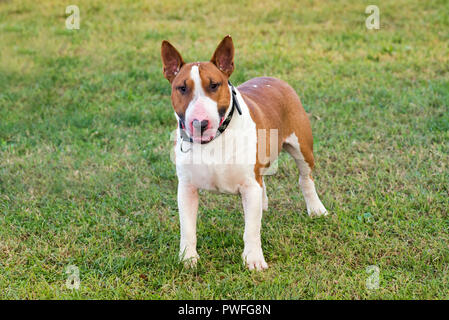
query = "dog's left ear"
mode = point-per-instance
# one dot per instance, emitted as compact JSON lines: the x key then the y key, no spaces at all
{"x":223,"y":56}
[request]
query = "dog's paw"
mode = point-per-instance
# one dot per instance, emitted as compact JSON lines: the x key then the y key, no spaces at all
{"x":189,"y":259}
{"x":317,"y":210}
{"x":254,"y":260}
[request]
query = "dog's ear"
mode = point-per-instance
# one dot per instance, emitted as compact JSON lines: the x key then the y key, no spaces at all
{"x":223,"y":56}
{"x":171,"y":60}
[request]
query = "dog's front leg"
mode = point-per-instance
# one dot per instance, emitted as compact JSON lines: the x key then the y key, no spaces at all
{"x":252,"y":206}
{"x":188,"y":208}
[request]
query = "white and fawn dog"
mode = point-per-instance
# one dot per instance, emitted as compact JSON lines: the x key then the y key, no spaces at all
{"x":215,"y":119}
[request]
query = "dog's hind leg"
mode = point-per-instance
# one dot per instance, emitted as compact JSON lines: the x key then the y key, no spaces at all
{"x":305,"y":165}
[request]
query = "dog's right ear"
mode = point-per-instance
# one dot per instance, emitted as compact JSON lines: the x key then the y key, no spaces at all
{"x":171,"y":60}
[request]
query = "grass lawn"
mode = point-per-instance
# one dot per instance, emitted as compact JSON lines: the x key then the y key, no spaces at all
{"x":85,"y":171}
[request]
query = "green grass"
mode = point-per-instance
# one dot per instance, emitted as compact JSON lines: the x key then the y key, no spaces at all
{"x":85,"y":176}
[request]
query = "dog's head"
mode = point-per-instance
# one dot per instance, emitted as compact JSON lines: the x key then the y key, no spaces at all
{"x":200,"y":91}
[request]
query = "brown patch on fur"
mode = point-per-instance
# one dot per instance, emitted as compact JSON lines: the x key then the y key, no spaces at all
{"x":273,"y":104}
{"x":179,"y":100}
{"x":210,"y":74}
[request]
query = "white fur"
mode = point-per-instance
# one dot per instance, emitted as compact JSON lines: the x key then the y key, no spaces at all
{"x":313,"y":202}
{"x":264,"y":197}
{"x":200,"y":97}
{"x":216,"y":166}
{"x":188,"y":207}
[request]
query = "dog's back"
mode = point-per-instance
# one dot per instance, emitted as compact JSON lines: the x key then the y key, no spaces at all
{"x":274,"y":104}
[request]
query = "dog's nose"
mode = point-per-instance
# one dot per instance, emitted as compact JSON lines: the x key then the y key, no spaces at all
{"x":200,"y":125}
{"x":204,"y":125}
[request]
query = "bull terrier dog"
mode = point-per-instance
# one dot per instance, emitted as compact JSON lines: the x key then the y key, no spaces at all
{"x":227,"y":138}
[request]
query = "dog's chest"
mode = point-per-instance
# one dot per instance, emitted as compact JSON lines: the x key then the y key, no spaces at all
{"x":224,"y":164}
{"x":219,"y":178}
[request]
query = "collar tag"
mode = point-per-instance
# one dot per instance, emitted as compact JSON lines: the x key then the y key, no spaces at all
{"x":182,"y":150}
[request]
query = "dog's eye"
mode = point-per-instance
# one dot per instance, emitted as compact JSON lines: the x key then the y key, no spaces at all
{"x":214,"y":86}
{"x":182,"y":89}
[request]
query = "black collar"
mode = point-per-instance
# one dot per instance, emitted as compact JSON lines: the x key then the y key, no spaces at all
{"x":221,"y":128}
